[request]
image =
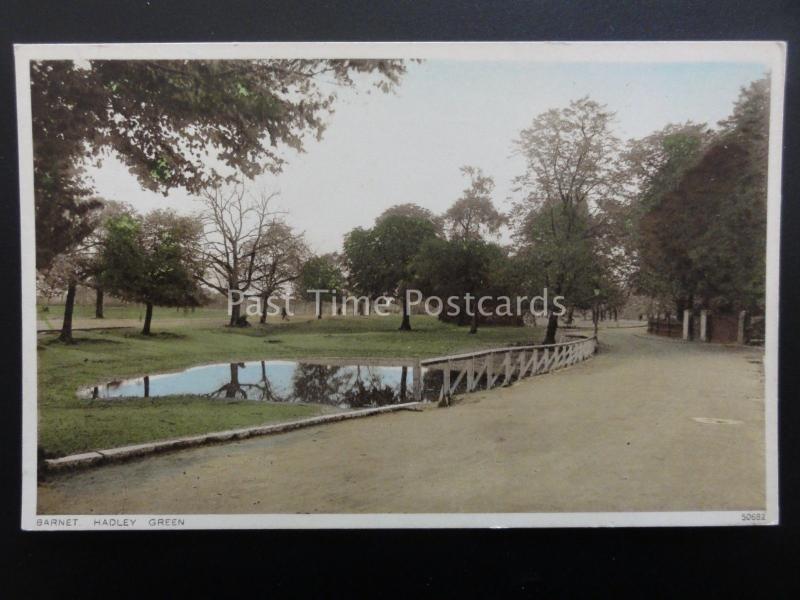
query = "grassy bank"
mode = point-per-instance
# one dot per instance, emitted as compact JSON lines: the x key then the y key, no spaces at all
{"x":68,"y":424}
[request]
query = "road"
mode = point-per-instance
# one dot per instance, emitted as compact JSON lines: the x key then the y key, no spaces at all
{"x":649,"y":424}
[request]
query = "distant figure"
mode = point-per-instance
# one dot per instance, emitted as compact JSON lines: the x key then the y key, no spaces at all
{"x":284,"y":314}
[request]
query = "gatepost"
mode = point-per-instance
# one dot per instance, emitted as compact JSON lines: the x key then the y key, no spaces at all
{"x":740,"y":334}
{"x":703,"y":325}
{"x":687,"y":316}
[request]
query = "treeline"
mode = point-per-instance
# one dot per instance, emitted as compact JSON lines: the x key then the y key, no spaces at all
{"x":699,"y":212}
{"x":235,"y":245}
{"x":166,"y":120}
{"x":678,"y":215}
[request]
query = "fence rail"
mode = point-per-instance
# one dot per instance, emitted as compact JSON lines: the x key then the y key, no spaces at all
{"x":485,"y":368}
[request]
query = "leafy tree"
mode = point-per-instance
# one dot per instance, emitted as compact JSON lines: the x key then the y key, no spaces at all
{"x":65,"y":208}
{"x":414,"y":211}
{"x":657,"y":164}
{"x":80,"y":262}
{"x":708,"y":233}
{"x":364,"y":273}
{"x":166,"y":119}
{"x":702,"y":223}
{"x":92,"y":247}
{"x":473,"y":216}
{"x":321,"y":273}
{"x":153,"y":260}
{"x":570,"y":193}
{"x":465,"y":263}
{"x":379,"y":260}
{"x":748,"y":124}
{"x":458,"y":267}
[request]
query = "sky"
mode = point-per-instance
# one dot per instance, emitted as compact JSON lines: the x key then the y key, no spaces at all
{"x":408,"y":146}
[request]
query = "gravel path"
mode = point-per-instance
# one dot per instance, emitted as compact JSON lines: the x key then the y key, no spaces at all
{"x":649,"y":424}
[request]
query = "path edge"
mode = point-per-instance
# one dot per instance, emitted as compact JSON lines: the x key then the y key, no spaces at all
{"x":100,"y":457}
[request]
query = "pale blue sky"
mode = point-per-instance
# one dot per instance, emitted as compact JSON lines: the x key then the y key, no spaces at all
{"x":380,"y":150}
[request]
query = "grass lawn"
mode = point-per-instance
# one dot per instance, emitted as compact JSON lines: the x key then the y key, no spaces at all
{"x":54,"y":315}
{"x":68,"y":424}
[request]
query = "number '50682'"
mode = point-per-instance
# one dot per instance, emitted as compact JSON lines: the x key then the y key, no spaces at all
{"x":754,"y":516}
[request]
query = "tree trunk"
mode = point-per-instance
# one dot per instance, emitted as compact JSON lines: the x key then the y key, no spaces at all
{"x":236,"y":311}
{"x":570,"y":313}
{"x":148,"y":318}
{"x":69,"y":307}
{"x":98,"y":303}
{"x":405,"y":325}
{"x":263,"y":318}
{"x":473,"y":327}
{"x":461,"y":318}
{"x":552,"y":326}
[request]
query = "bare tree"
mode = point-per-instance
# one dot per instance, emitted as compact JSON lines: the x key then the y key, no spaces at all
{"x":279,"y":261}
{"x":236,"y":223}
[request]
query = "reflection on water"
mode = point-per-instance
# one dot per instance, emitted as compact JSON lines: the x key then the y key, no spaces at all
{"x":348,"y":386}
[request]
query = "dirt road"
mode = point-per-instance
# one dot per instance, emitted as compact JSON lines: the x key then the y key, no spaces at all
{"x":649,"y":424}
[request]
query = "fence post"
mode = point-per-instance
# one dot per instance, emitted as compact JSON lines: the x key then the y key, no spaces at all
{"x":416,"y":379}
{"x":704,"y":325}
{"x":687,"y":316}
{"x":740,"y":334}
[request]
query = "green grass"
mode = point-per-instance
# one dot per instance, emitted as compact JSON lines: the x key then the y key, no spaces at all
{"x":68,"y":424}
{"x":54,"y":314}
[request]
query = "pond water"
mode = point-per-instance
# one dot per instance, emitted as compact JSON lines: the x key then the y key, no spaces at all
{"x":346,"y":386}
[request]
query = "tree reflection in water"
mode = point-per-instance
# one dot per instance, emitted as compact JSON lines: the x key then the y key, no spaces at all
{"x":354,"y":386}
{"x":260,"y":390}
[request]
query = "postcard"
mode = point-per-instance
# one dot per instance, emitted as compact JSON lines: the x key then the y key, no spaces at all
{"x":400,"y":285}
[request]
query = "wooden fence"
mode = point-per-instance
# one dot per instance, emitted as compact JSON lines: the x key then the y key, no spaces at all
{"x":464,"y":373}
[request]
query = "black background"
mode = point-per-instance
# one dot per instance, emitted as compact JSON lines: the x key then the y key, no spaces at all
{"x":659,"y":562}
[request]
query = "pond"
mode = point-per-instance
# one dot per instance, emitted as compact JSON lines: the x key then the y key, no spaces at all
{"x":344,"y":386}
